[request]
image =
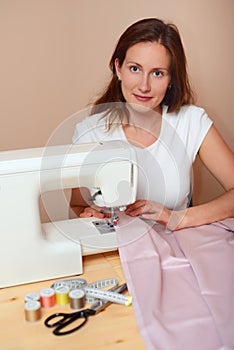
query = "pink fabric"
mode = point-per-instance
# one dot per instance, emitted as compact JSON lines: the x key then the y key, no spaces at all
{"x":182,"y":283}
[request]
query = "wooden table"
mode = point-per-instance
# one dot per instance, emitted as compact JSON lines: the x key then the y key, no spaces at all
{"x":114,"y":328}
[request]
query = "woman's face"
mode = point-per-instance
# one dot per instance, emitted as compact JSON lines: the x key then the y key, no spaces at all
{"x":145,"y":74}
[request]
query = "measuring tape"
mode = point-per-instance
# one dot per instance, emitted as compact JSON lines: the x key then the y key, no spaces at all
{"x":108,"y":296}
{"x":93,"y":290}
{"x":73,"y":283}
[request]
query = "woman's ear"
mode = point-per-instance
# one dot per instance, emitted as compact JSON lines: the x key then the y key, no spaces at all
{"x":117,"y":69}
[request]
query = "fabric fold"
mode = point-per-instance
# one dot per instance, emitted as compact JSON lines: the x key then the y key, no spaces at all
{"x":181,"y":283}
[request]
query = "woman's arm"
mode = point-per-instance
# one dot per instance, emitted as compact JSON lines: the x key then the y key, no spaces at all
{"x":77,"y":202}
{"x":219,"y":160}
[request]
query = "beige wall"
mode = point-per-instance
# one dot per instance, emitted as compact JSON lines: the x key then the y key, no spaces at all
{"x":55,"y":53}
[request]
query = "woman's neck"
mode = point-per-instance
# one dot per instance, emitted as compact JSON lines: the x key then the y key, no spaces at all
{"x":143,"y":127}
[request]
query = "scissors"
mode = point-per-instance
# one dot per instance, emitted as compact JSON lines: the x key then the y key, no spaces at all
{"x":62,"y":320}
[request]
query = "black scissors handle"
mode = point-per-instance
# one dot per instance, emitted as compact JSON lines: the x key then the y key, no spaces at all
{"x":64,"y":319}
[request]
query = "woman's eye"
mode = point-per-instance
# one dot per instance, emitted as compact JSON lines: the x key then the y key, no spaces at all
{"x":157,"y":73}
{"x":134,"y":69}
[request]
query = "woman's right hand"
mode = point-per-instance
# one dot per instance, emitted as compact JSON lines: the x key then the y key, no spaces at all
{"x":89,"y":212}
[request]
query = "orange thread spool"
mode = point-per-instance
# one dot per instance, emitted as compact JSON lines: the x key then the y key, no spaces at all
{"x":47,"y":297}
{"x":32,"y":311}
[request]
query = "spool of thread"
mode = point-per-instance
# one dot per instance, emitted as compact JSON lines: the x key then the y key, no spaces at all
{"x":77,"y":299}
{"x":62,"y":295}
{"x":47,"y":297}
{"x":32,"y":297}
{"x":32,"y":311}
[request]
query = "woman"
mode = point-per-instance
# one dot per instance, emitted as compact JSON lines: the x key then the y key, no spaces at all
{"x":149,"y":103}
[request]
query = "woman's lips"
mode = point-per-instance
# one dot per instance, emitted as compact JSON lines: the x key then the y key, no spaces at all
{"x":142,"y":98}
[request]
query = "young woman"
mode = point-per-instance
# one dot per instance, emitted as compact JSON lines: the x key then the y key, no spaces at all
{"x":149,"y":103}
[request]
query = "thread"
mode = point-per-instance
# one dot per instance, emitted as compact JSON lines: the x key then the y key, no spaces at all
{"x":32,"y":297}
{"x":32,"y":311}
{"x":62,"y":297}
{"x":47,"y":297}
{"x":77,"y":299}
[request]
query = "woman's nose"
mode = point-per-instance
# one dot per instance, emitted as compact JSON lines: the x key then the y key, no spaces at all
{"x":144,"y":83}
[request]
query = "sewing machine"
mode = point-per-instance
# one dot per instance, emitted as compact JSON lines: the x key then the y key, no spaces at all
{"x":31,"y":251}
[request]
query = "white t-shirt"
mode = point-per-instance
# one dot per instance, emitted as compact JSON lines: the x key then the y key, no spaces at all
{"x":165,"y":167}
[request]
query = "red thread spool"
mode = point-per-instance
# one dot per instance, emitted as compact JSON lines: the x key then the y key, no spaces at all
{"x":47,"y":297}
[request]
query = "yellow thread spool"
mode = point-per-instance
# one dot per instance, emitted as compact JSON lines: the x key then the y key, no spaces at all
{"x":62,"y":297}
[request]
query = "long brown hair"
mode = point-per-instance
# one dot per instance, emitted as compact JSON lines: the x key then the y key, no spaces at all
{"x":148,"y":30}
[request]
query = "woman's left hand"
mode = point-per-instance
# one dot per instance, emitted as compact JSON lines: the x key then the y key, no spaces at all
{"x":157,"y":212}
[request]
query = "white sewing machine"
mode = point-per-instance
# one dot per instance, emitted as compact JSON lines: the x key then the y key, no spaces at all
{"x":31,"y":251}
